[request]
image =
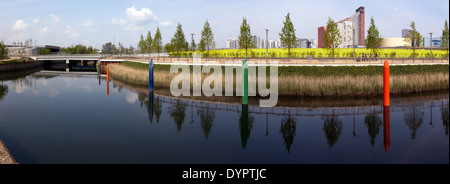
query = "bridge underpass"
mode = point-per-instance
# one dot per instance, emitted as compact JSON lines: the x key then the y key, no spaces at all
{"x":75,"y":62}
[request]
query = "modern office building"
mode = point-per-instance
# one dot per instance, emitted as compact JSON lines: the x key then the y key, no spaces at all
{"x":306,"y":43}
{"x":436,"y":42}
{"x":352,"y":30}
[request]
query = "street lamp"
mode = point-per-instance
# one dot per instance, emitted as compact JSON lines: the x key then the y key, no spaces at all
{"x":431,"y":46}
{"x":353,"y":39}
{"x":267,"y":45}
{"x":192,"y":38}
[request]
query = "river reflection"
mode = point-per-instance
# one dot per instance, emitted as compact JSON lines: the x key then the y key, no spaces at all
{"x":72,"y":120}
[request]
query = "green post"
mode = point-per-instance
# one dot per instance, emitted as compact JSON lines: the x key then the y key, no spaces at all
{"x":244,"y":83}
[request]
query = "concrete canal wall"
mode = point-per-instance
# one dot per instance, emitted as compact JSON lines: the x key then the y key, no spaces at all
{"x":20,"y":66}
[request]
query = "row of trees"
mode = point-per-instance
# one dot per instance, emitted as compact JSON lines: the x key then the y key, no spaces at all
{"x":287,"y":36}
{"x":79,"y":49}
{"x":178,"y":42}
{"x":26,"y":43}
{"x":111,"y":49}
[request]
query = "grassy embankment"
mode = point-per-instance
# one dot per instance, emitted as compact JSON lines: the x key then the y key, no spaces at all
{"x":12,"y":61}
{"x":316,"y":81}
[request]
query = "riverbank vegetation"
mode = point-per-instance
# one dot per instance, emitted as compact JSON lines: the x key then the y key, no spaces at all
{"x":13,"y":61}
{"x":315,"y":80}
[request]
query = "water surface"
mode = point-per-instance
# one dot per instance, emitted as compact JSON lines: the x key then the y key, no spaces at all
{"x":74,"y":118}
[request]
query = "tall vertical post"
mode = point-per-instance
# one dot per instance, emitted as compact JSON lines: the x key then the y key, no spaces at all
{"x":431,"y":46}
{"x":353,"y":39}
{"x":267,"y":45}
{"x":386,"y":83}
{"x":150,"y":75}
{"x":107,"y":80}
{"x":107,"y":73}
{"x":244,"y":83}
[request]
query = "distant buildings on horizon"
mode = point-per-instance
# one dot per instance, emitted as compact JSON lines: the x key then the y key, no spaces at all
{"x":259,"y":43}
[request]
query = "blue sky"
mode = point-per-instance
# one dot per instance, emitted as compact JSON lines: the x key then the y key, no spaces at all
{"x":95,"y":22}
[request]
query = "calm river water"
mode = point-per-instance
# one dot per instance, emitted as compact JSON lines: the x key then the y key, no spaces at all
{"x":48,"y":118}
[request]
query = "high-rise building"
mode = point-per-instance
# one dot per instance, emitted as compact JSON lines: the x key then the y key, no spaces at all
{"x":321,"y":34}
{"x":233,"y":43}
{"x":405,"y":32}
{"x":359,"y":22}
{"x":352,"y":30}
{"x":257,"y":41}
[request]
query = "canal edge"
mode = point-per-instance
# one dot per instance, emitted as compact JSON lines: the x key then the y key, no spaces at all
{"x":5,"y":155}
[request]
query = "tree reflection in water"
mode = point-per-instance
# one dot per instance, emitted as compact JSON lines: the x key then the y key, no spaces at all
{"x":178,"y":113}
{"x":332,"y":127}
{"x":287,"y":130}
{"x":245,"y":125}
{"x":414,"y":119}
{"x":157,"y":108}
{"x":3,"y":91}
{"x":206,"y":119}
{"x":373,"y":123}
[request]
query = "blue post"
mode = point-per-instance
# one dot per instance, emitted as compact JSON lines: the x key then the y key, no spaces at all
{"x":150,"y":75}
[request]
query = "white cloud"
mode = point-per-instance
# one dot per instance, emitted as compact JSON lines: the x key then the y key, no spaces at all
{"x":121,"y":22}
{"x":131,"y":98}
{"x":54,"y":18}
{"x":45,"y":30}
{"x":145,"y":15}
{"x":88,"y":23}
{"x":69,"y":31}
{"x":165,"y":23}
{"x":133,"y":27}
{"x":19,"y":25}
{"x":19,"y":87}
{"x":136,"y":19}
{"x":94,"y":30}
{"x":36,"y":20}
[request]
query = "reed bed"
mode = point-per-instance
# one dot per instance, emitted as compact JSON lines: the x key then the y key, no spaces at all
{"x":300,"y":85}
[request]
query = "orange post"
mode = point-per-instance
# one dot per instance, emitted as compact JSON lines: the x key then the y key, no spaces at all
{"x":107,"y":80}
{"x":107,"y":88}
{"x":107,"y":73}
{"x":386,"y":83}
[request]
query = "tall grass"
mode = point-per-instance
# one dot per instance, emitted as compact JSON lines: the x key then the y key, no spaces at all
{"x":295,"y":84}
